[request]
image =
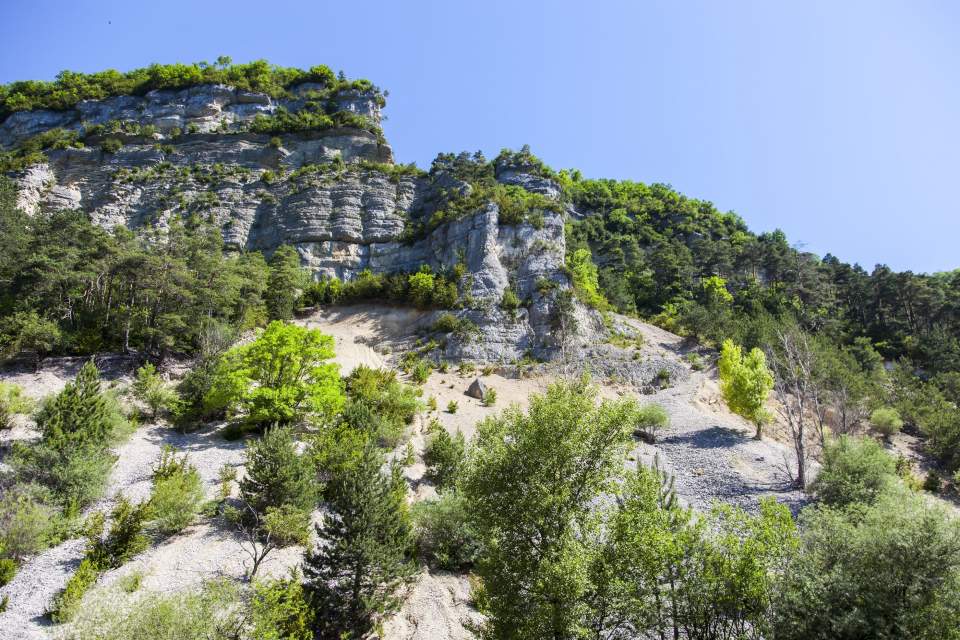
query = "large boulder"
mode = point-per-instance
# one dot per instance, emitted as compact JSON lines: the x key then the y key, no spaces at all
{"x":477,"y":389}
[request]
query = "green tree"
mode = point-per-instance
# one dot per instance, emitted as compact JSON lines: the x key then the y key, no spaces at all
{"x":529,"y":484}
{"x":745,"y":382}
{"x":280,"y":377}
{"x":444,"y":456}
{"x":880,"y":572}
{"x":285,"y":282}
{"x":277,"y":475}
{"x":585,"y":278}
{"x":353,"y":575}
{"x":855,"y":470}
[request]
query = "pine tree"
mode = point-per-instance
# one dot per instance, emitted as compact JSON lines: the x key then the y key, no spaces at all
{"x":355,"y":572}
{"x":77,"y":416}
{"x":285,"y":280}
{"x":277,"y":475}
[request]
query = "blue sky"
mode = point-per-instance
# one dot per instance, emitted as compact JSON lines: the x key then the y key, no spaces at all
{"x":838,"y":122}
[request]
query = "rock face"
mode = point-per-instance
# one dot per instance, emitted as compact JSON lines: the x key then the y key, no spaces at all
{"x":333,"y":194}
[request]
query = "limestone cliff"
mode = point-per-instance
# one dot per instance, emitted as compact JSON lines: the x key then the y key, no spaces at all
{"x":333,"y":194}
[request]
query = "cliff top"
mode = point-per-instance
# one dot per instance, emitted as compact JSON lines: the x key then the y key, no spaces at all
{"x":71,"y":88}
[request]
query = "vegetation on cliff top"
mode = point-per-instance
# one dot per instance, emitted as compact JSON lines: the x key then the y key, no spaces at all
{"x":71,"y":87}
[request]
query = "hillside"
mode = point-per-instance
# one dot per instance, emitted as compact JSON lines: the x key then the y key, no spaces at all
{"x":485,"y":395}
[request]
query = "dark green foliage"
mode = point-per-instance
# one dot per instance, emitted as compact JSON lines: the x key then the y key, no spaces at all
{"x":111,"y":145}
{"x":124,"y":540}
{"x":423,"y":288}
{"x":444,"y":537}
{"x":353,"y":575}
{"x":277,"y":475}
{"x":855,"y":470}
{"x":287,"y":280}
{"x":70,"y":87}
{"x":72,"y":458}
{"x":30,"y":151}
{"x":444,"y":456}
{"x":887,"y":571}
{"x":75,"y":287}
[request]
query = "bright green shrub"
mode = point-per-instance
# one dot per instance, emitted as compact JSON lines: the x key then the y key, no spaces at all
{"x":421,"y":288}
{"x":421,"y":371}
{"x":212,"y":612}
{"x":886,"y":421}
{"x":26,"y":522}
{"x":280,"y":610}
{"x":12,"y":401}
{"x":66,"y":604}
{"x":150,"y":388}
{"x":281,"y":377}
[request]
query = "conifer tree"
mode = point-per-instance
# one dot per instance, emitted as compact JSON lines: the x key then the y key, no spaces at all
{"x":76,"y":416}
{"x":276,"y":474}
{"x":286,"y":279}
{"x":362,"y":559}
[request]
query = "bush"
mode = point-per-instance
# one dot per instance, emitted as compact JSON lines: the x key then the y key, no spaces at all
{"x":490,"y":397}
{"x":211,"y":613}
{"x":66,"y":604}
{"x":509,"y":301}
{"x":280,"y":610}
{"x":444,"y":537}
{"x":8,"y":569}
{"x":932,"y":482}
{"x":452,"y":406}
{"x":855,"y":470}
{"x":12,"y":402}
{"x":111,"y":145}
{"x":25,"y":523}
{"x":421,"y":371}
{"x":650,"y":419}
{"x":380,"y":404}
{"x":150,"y":388}
{"x":177,"y":494}
{"x":884,"y":571}
{"x":886,"y":422}
{"x":444,"y":456}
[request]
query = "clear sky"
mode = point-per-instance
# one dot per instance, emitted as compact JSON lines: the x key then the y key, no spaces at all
{"x":836,"y":121}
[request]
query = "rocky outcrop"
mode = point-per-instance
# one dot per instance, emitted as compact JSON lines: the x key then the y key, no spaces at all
{"x":200,"y":109}
{"x":333,"y":194}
